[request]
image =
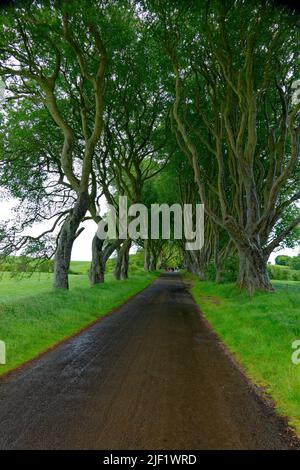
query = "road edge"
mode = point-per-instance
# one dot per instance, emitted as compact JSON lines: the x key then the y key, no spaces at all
{"x":7,"y":375}
{"x":259,"y":392}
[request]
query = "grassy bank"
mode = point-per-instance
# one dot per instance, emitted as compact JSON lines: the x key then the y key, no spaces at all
{"x":33,"y":317}
{"x":259,"y":330}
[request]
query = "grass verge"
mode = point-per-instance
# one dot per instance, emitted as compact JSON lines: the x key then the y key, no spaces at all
{"x":259,"y":331}
{"x":34,"y":318}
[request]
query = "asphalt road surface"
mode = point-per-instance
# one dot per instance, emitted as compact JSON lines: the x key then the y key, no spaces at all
{"x":150,"y":376}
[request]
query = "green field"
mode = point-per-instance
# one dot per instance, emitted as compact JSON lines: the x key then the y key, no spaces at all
{"x":259,"y":331}
{"x":287,"y":286}
{"x":81,"y":267}
{"x":33,"y":317}
{"x":13,"y":286}
{"x":283,"y":273}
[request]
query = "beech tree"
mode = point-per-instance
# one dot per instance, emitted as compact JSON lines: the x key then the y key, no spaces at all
{"x":234,"y":66}
{"x":134,"y":147}
{"x":30,"y":172}
{"x":57,"y":53}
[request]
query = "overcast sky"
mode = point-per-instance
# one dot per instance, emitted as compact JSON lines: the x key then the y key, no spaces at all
{"x":82,"y":246}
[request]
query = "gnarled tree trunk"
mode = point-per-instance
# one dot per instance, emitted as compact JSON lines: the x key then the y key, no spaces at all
{"x":187,"y":262}
{"x":65,"y":242}
{"x":153,"y":262}
{"x":125,"y":262}
{"x":100,"y":256}
{"x":253,"y":273}
{"x":198,"y":264}
{"x":97,"y":269}
{"x":217,"y":260}
{"x":146,"y":256}
{"x":121,"y":269}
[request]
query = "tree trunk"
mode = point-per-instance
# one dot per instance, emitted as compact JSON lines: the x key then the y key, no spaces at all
{"x":153,"y":262}
{"x":218,"y":273}
{"x":198,"y":271}
{"x":121,"y":269}
{"x":65,"y":242}
{"x":217,"y":258}
{"x":253,"y":273}
{"x":118,"y":265}
{"x":201,"y":274}
{"x":100,"y":256}
{"x":97,"y":269}
{"x":146,"y":256}
{"x":187,"y":262}
{"x":125,"y":262}
{"x":198,"y":264}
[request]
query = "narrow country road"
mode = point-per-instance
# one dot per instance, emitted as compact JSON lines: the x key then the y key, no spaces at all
{"x":150,"y":376}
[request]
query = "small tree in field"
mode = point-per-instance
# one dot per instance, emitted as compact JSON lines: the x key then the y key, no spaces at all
{"x":283,"y":260}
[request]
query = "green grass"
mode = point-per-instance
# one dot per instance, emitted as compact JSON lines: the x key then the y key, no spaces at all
{"x":20,"y":264}
{"x":283,"y":273}
{"x":287,"y":286}
{"x":81,"y":267}
{"x":136,"y":264}
{"x":17,"y":287}
{"x":259,"y":331}
{"x":33,"y":317}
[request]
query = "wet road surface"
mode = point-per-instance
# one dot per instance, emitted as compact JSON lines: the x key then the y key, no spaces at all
{"x":150,"y":376}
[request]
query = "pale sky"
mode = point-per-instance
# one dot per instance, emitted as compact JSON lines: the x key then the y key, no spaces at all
{"x":82,"y":246}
